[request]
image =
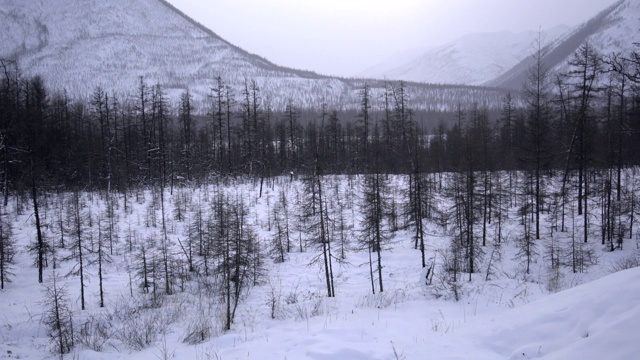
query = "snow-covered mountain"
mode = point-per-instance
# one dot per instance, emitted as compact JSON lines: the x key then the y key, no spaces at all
{"x":81,"y":44}
{"x":615,"y":29}
{"x":471,"y":59}
{"x":501,"y":59}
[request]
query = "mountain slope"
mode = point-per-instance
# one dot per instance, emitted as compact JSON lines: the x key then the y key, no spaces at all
{"x":615,"y":29}
{"x":81,"y":44}
{"x":471,"y":59}
{"x":77,"y":45}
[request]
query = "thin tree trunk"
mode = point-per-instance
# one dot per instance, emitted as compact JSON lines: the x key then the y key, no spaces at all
{"x":41,"y":246}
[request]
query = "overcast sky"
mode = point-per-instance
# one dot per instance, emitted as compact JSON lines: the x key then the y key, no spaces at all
{"x":343,"y":37}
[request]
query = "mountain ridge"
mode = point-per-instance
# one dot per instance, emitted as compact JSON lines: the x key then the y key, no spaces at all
{"x":306,"y":73}
{"x":557,"y":56}
{"x":79,"y":45}
{"x":472,"y":59}
{"x":499,"y":60}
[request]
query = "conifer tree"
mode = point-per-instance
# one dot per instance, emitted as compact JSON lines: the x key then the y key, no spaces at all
{"x":57,"y":316}
{"x":7,"y":249}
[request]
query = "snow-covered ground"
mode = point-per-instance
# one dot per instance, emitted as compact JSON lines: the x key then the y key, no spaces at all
{"x":594,"y":315}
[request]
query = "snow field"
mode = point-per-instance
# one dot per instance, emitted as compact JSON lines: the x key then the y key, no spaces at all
{"x":288,"y":316}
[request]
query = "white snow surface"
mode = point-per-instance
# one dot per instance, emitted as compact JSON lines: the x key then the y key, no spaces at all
{"x":597,"y":320}
{"x":509,"y":316}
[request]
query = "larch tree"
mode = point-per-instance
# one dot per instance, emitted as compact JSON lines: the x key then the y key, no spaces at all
{"x":535,"y":153}
{"x":374,"y":208}
{"x":57,"y":315}
{"x":364,"y":123}
{"x":584,"y":68}
{"x":186,"y":134}
{"x":7,"y":248}
{"x":78,"y":247}
{"x":218,"y":117}
{"x":36,"y":103}
{"x":315,"y":216}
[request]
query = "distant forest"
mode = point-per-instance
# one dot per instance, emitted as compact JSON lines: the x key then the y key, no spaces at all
{"x":583,"y":120}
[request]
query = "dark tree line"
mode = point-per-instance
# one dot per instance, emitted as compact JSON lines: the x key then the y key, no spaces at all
{"x":583,"y":124}
{"x":116,"y":144}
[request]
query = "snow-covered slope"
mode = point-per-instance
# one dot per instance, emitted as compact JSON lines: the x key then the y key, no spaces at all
{"x":81,"y":44}
{"x":472,"y":59}
{"x":501,"y":59}
{"x":597,"y":320}
{"x":615,"y":29}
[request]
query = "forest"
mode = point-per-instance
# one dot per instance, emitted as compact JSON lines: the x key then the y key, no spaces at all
{"x":221,"y":190}
{"x":583,"y":120}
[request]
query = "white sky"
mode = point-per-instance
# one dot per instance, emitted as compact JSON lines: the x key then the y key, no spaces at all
{"x":344,"y":37}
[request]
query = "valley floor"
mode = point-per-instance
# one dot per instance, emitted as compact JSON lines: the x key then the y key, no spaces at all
{"x":502,"y":313}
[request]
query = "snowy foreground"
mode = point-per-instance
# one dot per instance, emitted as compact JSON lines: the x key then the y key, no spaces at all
{"x":288,"y":316}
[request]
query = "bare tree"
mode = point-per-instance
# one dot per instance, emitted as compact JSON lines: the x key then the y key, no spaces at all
{"x":57,"y":315}
{"x":77,"y":246}
{"x":585,"y":66}
{"x":315,"y":214}
{"x":535,"y":154}
{"x":239,"y":257}
{"x":7,"y":249}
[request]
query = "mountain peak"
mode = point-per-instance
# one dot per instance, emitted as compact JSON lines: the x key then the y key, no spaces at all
{"x":501,"y":58}
{"x":609,"y":31}
{"x":471,"y":59}
{"x":78,"y":45}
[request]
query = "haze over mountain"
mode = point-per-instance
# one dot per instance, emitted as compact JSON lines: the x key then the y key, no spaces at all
{"x":615,"y":29}
{"x":80,"y":44}
{"x":343,"y":38}
{"x":472,"y":59}
{"x":500,"y":59}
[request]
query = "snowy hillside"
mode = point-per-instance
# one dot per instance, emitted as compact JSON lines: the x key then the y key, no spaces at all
{"x":619,"y":31}
{"x":473,"y":59}
{"x":615,"y":29}
{"x":502,"y":312}
{"x":598,"y":320}
{"x":501,"y":59}
{"x":79,"y":45}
